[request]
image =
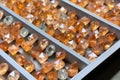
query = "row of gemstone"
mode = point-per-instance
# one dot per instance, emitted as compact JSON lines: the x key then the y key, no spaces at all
{"x":88,"y":38}
{"x":4,"y":70}
{"x":108,"y":9}
{"x":17,"y":40}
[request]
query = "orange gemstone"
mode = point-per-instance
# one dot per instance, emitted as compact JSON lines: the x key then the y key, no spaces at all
{"x":107,"y":45}
{"x":43,"y":44}
{"x":111,"y":37}
{"x":39,"y":75}
{"x":4,"y":46}
{"x":74,"y":1}
{"x":33,"y":38}
{"x":46,"y":67}
{"x":50,"y":30}
{"x":78,"y":37}
{"x":80,"y":50}
{"x":27,"y":46}
{"x":34,"y":52}
{"x":19,"y":40}
{"x":103,"y":30}
{"x":52,"y":75}
{"x":29,"y":66}
{"x":20,"y":59}
{"x":37,"y":22}
{"x":73,"y":69}
{"x":13,"y":49}
{"x":20,"y":5}
{"x":42,"y":57}
{"x":82,"y":3}
{"x":84,"y":43}
{"x":17,"y":24}
{"x":61,"y":55}
{"x":97,"y":49}
{"x":58,"y":64}
{"x":69,"y":35}
{"x":85,"y":20}
{"x":109,"y":15}
{"x":94,"y":25}
{"x":72,"y":44}
{"x":110,"y":4}
{"x":3,"y":68}
{"x":84,"y":31}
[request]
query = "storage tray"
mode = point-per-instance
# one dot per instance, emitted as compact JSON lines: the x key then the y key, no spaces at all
{"x":84,"y":64}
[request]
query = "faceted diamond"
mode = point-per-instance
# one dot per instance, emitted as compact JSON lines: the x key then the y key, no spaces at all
{"x":94,"y":25}
{"x":52,"y":75}
{"x":20,"y":59}
{"x":50,"y":50}
{"x":33,"y":37}
{"x":29,"y":66}
{"x":43,"y":44}
{"x":42,"y":57}
{"x":61,"y":55}
{"x":3,"y":68}
{"x":14,"y":75}
{"x":85,"y":20}
{"x":13,"y":49}
{"x":39,"y":75}
{"x":24,"y":32}
{"x":73,"y":69}
{"x":4,"y":46}
{"x":62,"y":74}
{"x":8,"y":20}
{"x":1,"y":14}
{"x":27,"y":46}
{"x":72,"y":44}
{"x":103,"y":30}
{"x":58,"y":64}
{"x":46,"y":67}
{"x":1,"y":77}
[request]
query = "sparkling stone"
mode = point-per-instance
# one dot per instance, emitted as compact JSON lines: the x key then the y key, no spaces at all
{"x":63,"y":10}
{"x":62,"y":28}
{"x":85,"y":20}
{"x":91,"y":56}
{"x":97,"y":50}
{"x":2,"y":78}
{"x":109,"y":15}
{"x":39,"y":75}
{"x":42,"y":57}
{"x":82,"y":3}
{"x":43,"y":44}
{"x":20,"y":5}
{"x":29,"y":66}
{"x":27,"y":46}
{"x":33,"y":37}
{"x":111,"y":37}
{"x":52,"y":75}
{"x":69,"y":35}
{"x":3,"y":68}
{"x":8,"y":20}
{"x":14,"y":75}
{"x":50,"y":30}
{"x":78,"y":37}
{"x":34,"y":52}
{"x":43,"y":26}
{"x":50,"y":50}
{"x":73,"y":29}
{"x":80,"y":49}
{"x":107,"y":45}
{"x":110,"y":4}
{"x":73,"y":69}
{"x":4,"y":45}
{"x":62,"y":74}
{"x":96,"y":33}
{"x":61,"y":55}
{"x":47,"y":66}
{"x":72,"y":44}
{"x":84,"y":43}
{"x":13,"y":49}
{"x":17,"y":24}
{"x":84,"y":31}
{"x":1,"y":14}
{"x":24,"y":32}
{"x":19,"y":40}
{"x":94,"y":25}
{"x":37,"y":22}
{"x":54,"y":3}
{"x":92,"y":40}
{"x":103,"y":30}
{"x":58,"y":64}
{"x":63,"y":15}
{"x":30,"y":8}
{"x":20,"y":59}
{"x":30,"y":18}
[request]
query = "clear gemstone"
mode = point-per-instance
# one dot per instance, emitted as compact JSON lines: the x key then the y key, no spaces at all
{"x":62,"y":74}
{"x":24,"y":32}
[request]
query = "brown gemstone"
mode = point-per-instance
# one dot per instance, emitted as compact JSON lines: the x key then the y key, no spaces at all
{"x":62,"y":28}
{"x":58,"y":64}
{"x":37,"y":22}
{"x":29,"y":66}
{"x":84,"y":43}
{"x":47,"y":66}
{"x":20,"y":5}
{"x":42,"y":57}
{"x":72,"y":44}
{"x":19,"y":40}
{"x":33,"y":37}
{"x":17,"y":24}
{"x":80,"y":50}
{"x":50,"y":30}
{"x":79,"y":26}
{"x":78,"y":37}
{"x":20,"y":59}
{"x":73,"y":69}
{"x":94,"y":25}
{"x":34,"y":52}
{"x":63,"y":10}
{"x":3,"y":68}
{"x":39,"y":75}
{"x":52,"y":75}
{"x":1,"y":14}
{"x":107,"y":45}
{"x":85,"y":20}
{"x":97,"y":49}
{"x":103,"y":30}
{"x":69,"y":35}
{"x":110,"y":4}
{"x":4,"y":45}
{"x":43,"y":44}
{"x":111,"y":37}
{"x":91,"y":56}
{"x":61,"y":55}
{"x":84,"y":32}
{"x":27,"y":45}
{"x":13,"y":49}
{"x":82,"y":3}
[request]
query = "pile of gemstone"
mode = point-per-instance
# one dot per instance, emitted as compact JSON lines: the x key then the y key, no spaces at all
{"x":108,"y":9}
{"x":4,"y":70}
{"x":14,"y":37}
